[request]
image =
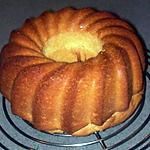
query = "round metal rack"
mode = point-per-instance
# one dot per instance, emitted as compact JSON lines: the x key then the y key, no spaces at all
{"x":133,"y":134}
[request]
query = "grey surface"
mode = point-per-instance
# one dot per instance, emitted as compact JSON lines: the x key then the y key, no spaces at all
{"x":12,"y":15}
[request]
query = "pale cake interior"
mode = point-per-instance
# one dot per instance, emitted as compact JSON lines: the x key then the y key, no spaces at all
{"x":72,"y":47}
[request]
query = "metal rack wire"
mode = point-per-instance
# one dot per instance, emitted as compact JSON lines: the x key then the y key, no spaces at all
{"x":104,"y":139}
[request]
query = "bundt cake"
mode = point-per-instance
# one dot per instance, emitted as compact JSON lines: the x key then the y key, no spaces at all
{"x":76,"y":71}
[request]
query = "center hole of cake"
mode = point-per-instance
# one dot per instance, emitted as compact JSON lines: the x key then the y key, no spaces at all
{"x":72,"y":47}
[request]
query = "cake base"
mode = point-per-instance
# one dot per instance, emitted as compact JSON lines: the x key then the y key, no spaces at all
{"x":116,"y":118}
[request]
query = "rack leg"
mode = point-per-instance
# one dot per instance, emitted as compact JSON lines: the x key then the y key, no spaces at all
{"x":101,"y":141}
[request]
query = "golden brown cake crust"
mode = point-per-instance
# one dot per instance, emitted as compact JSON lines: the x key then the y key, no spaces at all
{"x":98,"y":85}
{"x":115,"y":119}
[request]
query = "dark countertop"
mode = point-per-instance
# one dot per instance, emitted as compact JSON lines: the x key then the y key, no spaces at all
{"x":136,"y":130}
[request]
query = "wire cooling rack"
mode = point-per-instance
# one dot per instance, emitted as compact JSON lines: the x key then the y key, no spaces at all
{"x":133,"y":134}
